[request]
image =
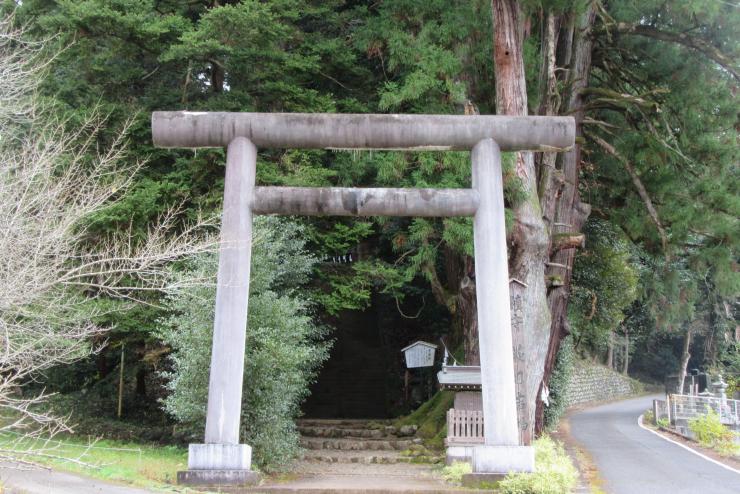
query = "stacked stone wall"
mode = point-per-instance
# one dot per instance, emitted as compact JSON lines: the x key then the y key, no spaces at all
{"x":593,"y":382}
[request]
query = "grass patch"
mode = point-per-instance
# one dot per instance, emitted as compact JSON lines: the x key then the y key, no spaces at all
{"x":142,"y":465}
{"x":711,"y":433}
{"x":554,"y":472}
{"x":454,"y":473}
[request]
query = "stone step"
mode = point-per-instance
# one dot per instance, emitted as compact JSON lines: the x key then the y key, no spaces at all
{"x":345,"y":423}
{"x":314,"y":431}
{"x":387,"y":431}
{"x":351,"y":444}
{"x":376,"y":457}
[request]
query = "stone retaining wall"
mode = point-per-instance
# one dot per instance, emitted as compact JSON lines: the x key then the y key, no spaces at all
{"x":593,"y":382}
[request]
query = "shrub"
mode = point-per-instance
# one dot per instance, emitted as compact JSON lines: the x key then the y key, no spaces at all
{"x":554,"y":472}
{"x":284,"y":346}
{"x":648,"y":417}
{"x":454,"y":473}
{"x":710,"y":433}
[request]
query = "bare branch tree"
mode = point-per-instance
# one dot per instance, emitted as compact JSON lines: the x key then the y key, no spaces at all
{"x":51,"y":266}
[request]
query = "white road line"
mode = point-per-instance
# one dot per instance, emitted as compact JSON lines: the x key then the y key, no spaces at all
{"x":727,"y":467}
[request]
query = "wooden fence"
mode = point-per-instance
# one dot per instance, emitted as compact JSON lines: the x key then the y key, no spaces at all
{"x":464,"y":427}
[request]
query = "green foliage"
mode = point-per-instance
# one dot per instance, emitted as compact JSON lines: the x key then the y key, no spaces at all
{"x":285,"y":347}
{"x":604,"y":285}
{"x":711,"y":433}
{"x":554,"y":472}
{"x":673,"y":130}
{"x":564,"y":365}
{"x":428,"y":49}
{"x":454,"y":473}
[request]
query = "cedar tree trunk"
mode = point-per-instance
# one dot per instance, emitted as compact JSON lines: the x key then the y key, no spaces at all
{"x":528,"y":251}
{"x":564,"y":213}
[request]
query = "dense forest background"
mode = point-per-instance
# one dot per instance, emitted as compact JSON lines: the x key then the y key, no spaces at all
{"x":638,"y":226}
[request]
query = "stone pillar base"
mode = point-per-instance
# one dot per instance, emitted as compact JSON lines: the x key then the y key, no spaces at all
{"x":459,"y":452}
{"x":219,"y":464}
{"x":503,"y":459}
{"x":218,"y":477}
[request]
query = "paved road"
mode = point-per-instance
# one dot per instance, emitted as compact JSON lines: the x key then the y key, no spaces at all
{"x":631,"y":460}
{"x":40,"y":481}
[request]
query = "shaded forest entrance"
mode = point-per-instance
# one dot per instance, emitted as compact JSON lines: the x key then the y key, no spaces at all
{"x":364,"y":376}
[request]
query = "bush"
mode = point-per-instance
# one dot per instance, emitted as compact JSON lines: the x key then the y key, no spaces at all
{"x":710,"y":433}
{"x":454,"y":473}
{"x":554,"y":472}
{"x":284,"y":346}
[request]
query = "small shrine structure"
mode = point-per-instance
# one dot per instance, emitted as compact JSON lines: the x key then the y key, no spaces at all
{"x":465,"y":426}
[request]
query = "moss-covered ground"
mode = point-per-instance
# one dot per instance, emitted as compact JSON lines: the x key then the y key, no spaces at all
{"x":431,"y":418}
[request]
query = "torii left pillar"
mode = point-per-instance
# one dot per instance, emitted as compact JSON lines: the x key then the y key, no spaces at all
{"x":222,"y":459}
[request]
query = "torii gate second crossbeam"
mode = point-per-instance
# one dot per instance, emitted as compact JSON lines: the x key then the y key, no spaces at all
{"x":221,"y":459}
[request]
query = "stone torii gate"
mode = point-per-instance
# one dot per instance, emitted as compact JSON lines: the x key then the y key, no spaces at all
{"x":222,"y":459}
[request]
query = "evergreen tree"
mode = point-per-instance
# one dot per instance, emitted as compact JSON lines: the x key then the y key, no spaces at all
{"x":285,"y":346}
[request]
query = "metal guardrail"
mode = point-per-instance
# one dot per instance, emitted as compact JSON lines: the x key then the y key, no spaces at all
{"x":687,"y":407}
{"x":464,"y":426}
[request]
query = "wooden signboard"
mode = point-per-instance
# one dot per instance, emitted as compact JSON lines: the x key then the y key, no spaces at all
{"x":419,"y":354}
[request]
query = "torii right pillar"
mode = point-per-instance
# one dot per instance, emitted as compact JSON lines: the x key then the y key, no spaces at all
{"x":501,"y":452}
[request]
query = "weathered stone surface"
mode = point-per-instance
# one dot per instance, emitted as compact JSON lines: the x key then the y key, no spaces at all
{"x":375,"y":201}
{"x":232,"y":296}
{"x":592,"y":383}
{"x":330,"y":442}
{"x":219,"y":457}
{"x":339,"y":432}
{"x":217,"y":478}
{"x":503,"y":459}
{"x":407,"y":430}
{"x":356,"y":444}
{"x":361,"y":131}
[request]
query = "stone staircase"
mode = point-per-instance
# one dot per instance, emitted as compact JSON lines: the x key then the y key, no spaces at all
{"x":353,"y":456}
{"x":360,"y":441}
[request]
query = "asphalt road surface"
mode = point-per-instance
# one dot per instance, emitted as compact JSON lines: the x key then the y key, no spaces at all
{"x":632,"y":460}
{"x":40,"y":481}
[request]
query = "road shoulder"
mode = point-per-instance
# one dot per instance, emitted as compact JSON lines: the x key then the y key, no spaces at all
{"x":692,"y":446}
{"x":589,"y":481}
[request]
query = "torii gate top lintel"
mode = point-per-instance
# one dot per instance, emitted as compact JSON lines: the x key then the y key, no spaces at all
{"x":185,"y":129}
